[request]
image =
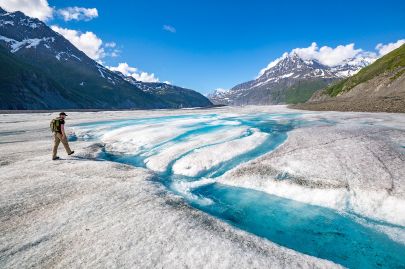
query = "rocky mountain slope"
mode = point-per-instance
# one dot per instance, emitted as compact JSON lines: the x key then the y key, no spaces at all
{"x":377,"y":87}
{"x":40,"y":69}
{"x":176,"y":96}
{"x":291,"y":79}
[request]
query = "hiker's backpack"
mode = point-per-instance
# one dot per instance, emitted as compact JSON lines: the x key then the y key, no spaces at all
{"x":54,"y":125}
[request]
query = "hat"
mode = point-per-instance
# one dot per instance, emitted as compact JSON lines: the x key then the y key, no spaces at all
{"x":62,"y":113}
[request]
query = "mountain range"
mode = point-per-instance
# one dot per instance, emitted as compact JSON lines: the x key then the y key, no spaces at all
{"x":290,"y":79}
{"x":40,"y":69}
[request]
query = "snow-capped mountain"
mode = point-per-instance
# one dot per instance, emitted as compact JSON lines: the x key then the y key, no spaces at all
{"x":24,"y":35}
{"x":45,"y":71}
{"x":289,"y":77}
{"x":351,"y":66}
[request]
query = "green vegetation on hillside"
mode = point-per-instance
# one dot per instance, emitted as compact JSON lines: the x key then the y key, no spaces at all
{"x":302,"y":91}
{"x":27,"y":82}
{"x":393,"y":62}
{"x":16,"y":75}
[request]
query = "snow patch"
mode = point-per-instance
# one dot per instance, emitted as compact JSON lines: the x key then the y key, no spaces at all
{"x":74,"y":56}
{"x":27,"y":43}
{"x":287,"y":75}
{"x":2,"y":23}
{"x":6,"y":39}
{"x":101,"y":72}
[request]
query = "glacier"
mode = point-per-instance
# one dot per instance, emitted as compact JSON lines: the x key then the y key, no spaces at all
{"x":308,"y":189}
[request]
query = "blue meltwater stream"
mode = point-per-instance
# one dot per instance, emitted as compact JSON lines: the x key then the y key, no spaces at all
{"x":317,"y":231}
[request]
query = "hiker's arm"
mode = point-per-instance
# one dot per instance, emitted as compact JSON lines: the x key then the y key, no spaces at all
{"x":62,"y":129}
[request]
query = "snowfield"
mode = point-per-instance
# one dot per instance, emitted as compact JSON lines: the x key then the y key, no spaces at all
{"x":87,"y":212}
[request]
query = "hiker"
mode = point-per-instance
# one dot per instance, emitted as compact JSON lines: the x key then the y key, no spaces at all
{"x":58,"y":128}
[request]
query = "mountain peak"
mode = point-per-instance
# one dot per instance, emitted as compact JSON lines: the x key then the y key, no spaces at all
{"x":292,"y":65}
{"x":294,"y":56}
{"x":285,"y":75}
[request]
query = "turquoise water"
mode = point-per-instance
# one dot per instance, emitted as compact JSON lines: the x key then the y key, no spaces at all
{"x":312,"y":230}
{"x":309,"y":229}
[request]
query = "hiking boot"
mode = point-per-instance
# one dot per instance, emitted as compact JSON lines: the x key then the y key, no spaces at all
{"x":56,"y":158}
{"x":71,"y":152}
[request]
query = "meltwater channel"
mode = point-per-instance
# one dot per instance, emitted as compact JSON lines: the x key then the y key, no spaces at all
{"x":317,"y":231}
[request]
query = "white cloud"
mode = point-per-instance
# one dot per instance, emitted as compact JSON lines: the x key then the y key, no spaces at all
{"x":124,"y":68}
{"x":34,"y":8}
{"x":40,"y":9}
{"x":327,"y":55}
{"x":330,"y":56}
{"x":145,"y":77}
{"x":386,"y":48}
{"x":78,"y":13}
{"x":127,"y":70}
{"x":87,"y":42}
{"x":110,"y":45}
{"x":169,"y":28}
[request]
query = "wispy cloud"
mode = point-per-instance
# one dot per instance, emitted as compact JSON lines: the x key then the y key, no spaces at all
{"x":114,"y":53}
{"x":110,"y":44}
{"x":169,"y":28}
{"x":78,"y":13}
{"x":111,"y":49}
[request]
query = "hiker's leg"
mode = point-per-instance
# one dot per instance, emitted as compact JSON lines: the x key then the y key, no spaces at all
{"x":65,"y":144}
{"x":55,"y":146}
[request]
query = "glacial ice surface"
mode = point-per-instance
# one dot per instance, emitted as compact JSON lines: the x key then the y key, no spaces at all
{"x":321,"y":186}
{"x":201,"y":156}
{"x":83,"y":212}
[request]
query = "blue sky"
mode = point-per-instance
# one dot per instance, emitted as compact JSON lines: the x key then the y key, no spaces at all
{"x":218,"y":44}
